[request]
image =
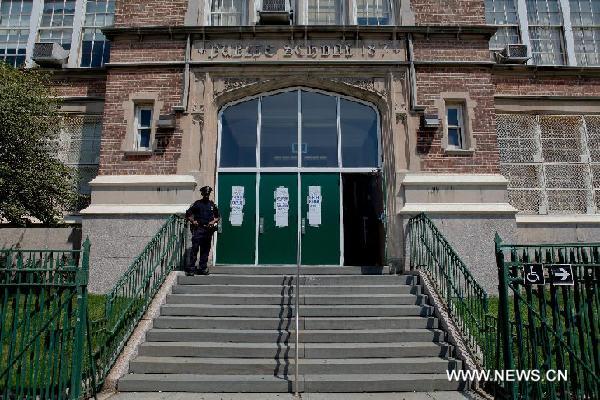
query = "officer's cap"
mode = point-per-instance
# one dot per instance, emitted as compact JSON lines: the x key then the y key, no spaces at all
{"x":206,"y":190}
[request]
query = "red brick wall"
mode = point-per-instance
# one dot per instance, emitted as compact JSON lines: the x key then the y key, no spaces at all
{"x":150,"y":12}
{"x":149,"y":49}
{"x":80,"y":86}
{"x":448,"y":12}
{"x":121,"y":84}
{"x":431,"y":81}
{"x":451,"y":48}
{"x":530,"y":84}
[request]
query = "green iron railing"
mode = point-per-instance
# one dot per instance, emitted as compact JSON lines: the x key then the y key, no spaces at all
{"x":49,"y":347}
{"x":464,"y":299}
{"x":127,"y":302}
{"x":43,"y":309}
{"x":548,"y":327}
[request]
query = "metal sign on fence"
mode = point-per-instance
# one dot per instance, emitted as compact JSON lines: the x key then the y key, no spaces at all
{"x":558,"y":274}
{"x":561,"y":274}
{"x":534,"y":274}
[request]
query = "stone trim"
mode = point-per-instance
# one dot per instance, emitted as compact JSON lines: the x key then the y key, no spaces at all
{"x":559,"y":219}
{"x":458,"y":208}
{"x":143,"y":180}
{"x":127,"y":209}
{"x":451,"y":179}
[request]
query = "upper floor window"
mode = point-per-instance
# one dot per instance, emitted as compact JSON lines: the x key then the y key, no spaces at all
{"x":14,"y":30}
{"x":585,"y":20}
{"x":95,"y":48}
{"x":57,"y":22}
{"x":324,"y":12}
{"x":373,"y":12}
{"x":545,"y":32}
{"x":143,"y":127}
{"x":504,"y":14}
{"x":227,"y":12}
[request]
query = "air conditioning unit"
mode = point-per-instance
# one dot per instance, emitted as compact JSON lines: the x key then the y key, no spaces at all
{"x":49,"y":53}
{"x":513,"y":54}
{"x":275,"y":12}
{"x":165,"y":121}
{"x":430,"y":121}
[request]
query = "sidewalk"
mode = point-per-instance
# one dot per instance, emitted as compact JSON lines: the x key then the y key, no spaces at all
{"x":305,"y":396}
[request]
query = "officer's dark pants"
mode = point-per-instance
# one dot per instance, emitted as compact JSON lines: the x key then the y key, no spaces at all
{"x":203,"y":242}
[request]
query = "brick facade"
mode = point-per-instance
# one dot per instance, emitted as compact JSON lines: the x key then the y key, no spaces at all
{"x":478,"y":83}
{"x":72,"y":85}
{"x":121,"y":83}
{"x":543,"y":84}
{"x":150,"y":12}
{"x":448,"y":12}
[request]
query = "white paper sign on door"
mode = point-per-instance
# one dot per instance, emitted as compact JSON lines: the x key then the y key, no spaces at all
{"x":282,"y":206}
{"x":236,"y":215}
{"x":314,"y":201}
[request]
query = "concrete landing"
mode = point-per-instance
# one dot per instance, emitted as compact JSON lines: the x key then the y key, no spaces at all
{"x":305,"y":396}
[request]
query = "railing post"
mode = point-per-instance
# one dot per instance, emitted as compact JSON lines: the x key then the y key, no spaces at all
{"x":80,"y":324}
{"x":504,"y":317}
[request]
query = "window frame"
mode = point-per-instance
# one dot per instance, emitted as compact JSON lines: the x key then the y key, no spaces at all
{"x":95,"y":31}
{"x":244,"y":14}
{"x":460,"y":127}
{"x":341,"y":6}
{"x":139,"y":107}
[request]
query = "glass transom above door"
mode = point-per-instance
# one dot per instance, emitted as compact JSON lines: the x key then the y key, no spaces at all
{"x":299,"y":128}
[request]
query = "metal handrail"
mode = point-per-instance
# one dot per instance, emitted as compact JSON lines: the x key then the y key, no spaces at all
{"x":297,"y":290}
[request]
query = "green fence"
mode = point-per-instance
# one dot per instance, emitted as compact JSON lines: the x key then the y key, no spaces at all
{"x":464,"y":299}
{"x":50,"y":347}
{"x":546,"y":327}
{"x":127,"y":302}
{"x":42,"y":333}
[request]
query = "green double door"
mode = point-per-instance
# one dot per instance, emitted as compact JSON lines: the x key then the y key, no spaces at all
{"x":264,"y":228}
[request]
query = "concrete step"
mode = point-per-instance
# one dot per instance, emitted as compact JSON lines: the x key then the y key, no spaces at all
{"x":266,"y":311}
{"x":187,"y":322}
{"x":287,"y":280}
{"x":304,"y":270}
{"x":270,"y":366}
{"x":309,"y":336}
{"x":287,"y":350}
{"x":346,"y":383}
{"x":307,"y":299}
{"x":280,"y":290}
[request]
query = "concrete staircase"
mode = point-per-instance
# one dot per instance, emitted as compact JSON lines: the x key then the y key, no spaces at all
{"x":233,"y":331}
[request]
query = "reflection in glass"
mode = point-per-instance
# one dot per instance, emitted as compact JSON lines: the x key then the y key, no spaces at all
{"x":359,"y":135}
{"x":319,"y":130}
{"x":279,"y":130}
{"x":238,"y":135}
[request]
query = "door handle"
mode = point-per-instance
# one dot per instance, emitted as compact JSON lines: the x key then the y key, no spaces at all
{"x":261,"y":225}
{"x":303,"y":226}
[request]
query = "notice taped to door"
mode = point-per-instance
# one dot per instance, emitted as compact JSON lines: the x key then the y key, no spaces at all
{"x":282,"y":206}
{"x":314,"y":201}
{"x":236,"y":215}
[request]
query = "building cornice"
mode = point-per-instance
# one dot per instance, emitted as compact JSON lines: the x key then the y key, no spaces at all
{"x":546,"y":70}
{"x":297,"y":31}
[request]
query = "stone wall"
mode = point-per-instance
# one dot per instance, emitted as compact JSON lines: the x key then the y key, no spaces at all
{"x":59,"y":238}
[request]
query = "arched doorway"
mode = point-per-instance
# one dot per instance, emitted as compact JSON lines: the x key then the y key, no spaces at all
{"x":300,"y":160}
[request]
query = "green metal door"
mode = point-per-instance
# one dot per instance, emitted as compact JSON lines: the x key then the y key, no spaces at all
{"x":278,"y":218}
{"x":321,"y":221}
{"x":236,"y":240}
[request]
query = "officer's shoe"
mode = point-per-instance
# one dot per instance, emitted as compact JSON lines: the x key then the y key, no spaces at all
{"x":202,"y":271}
{"x":189,"y":272}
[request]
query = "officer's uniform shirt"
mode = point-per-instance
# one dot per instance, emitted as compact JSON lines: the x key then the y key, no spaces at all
{"x":203,"y":212}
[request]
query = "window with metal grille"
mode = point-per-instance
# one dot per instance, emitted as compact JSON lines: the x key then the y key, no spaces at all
{"x":373,"y":12}
{"x":552,"y":162}
{"x":57,"y":22}
{"x":227,"y":12}
{"x":324,"y":12}
{"x":14,"y":30}
{"x":546,"y":32}
{"x":585,"y":20}
{"x":79,"y":147}
{"x":95,"y":48}
{"x":503,"y":14}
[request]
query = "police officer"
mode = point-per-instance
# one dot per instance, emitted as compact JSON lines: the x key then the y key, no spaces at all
{"x":203,"y":216}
